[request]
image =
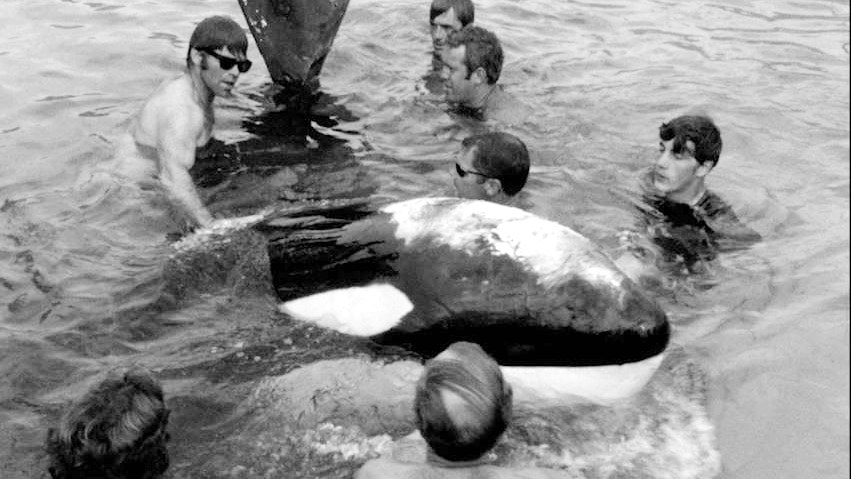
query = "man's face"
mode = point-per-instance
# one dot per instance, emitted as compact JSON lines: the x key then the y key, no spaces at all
{"x":442,"y":25}
{"x":675,"y":174}
{"x":458,"y":84}
{"x":471,"y":184}
{"x":217,"y":79}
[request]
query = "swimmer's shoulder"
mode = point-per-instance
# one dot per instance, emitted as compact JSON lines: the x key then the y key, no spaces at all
{"x":724,"y":221}
{"x":172,"y":95}
{"x":382,"y":468}
{"x":507,"y":109}
{"x":170,"y":105}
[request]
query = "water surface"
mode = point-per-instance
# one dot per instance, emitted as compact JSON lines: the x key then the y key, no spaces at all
{"x":82,"y":254}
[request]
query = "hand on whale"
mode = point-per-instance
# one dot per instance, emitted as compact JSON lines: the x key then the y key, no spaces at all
{"x":427,"y":272}
{"x":218,"y":227}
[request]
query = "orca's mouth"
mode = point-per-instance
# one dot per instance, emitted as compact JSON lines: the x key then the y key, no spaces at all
{"x":519,"y":342}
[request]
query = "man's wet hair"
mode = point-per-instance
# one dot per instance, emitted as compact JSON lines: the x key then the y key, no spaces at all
{"x":483,"y":50}
{"x":502,"y":156}
{"x":217,"y":32}
{"x":487,"y":401}
{"x":700,"y":130}
{"x":116,"y":431}
{"x":464,"y":10}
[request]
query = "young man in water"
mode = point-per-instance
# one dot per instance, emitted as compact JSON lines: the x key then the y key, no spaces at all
{"x":685,"y":219}
{"x":178,"y":118}
{"x":116,"y":431}
{"x":462,"y":406}
{"x":491,"y":166}
{"x":447,"y":17}
{"x":472,"y":64}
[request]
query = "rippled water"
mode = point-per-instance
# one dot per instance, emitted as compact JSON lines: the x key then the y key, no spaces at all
{"x":82,"y":255}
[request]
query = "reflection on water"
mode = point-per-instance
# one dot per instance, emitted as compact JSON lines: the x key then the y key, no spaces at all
{"x":87,"y":283}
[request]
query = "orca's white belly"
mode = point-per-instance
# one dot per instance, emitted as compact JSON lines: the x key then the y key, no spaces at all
{"x":556,"y":385}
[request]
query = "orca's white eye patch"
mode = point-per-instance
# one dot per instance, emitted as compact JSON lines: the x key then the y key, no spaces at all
{"x":358,"y":310}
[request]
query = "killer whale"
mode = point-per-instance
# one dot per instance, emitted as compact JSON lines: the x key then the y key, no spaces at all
{"x":423,"y":273}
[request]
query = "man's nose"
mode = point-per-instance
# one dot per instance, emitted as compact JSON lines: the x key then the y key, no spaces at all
{"x":444,"y":73}
{"x":662,"y":160}
{"x":439,"y":33}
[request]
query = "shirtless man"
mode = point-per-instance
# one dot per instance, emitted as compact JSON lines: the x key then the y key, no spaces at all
{"x":178,"y":117}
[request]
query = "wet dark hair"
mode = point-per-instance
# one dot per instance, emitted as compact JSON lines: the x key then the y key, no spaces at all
{"x":116,"y":431}
{"x":700,"y":130}
{"x":487,"y":399}
{"x":502,"y":156}
{"x":217,"y":32}
{"x":464,"y":10}
{"x":483,"y":50}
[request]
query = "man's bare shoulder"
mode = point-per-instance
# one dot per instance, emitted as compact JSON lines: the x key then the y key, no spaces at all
{"x":170,"y":105}
{"x":494,"y":472}
{"x":507,"y":109}
{"x":390,"y":469}
{"x":179,"y":85}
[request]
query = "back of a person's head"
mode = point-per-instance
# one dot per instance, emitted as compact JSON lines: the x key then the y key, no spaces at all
{"x":464,"y":10}
{"x":473,"y":422}
{"x":502,"y":156}
{"x":116,"y":431}
{"x":700,"y":130}
{"x":483,"y":50}
{"x":217,"y":32}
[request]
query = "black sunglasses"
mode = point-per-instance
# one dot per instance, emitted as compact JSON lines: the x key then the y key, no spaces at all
{"x":462,"y":172}
{"x":227,"y":62}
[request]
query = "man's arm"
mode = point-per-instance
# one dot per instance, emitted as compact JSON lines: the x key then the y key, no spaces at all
{"x":176,"y":151}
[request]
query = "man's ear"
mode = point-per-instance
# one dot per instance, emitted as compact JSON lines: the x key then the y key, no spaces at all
{"x":480,"y":75}
{"x":492,"y":186}
{"x":704,"y":169}
{"x":196,"y":56}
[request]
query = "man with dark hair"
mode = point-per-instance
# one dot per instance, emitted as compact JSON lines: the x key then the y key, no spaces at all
{"x":472,"y":62}
{"x":178,"y":118}
{"x":446,"y":17}
{"x":462,"y":406}
{"x":687,"y":221}
{"x":116,"y":431}
{"x":690,"y":147}
{"x":491,"y":166}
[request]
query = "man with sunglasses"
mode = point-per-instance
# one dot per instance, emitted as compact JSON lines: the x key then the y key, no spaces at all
{"x":178,"y":118}
{"x":491,"y":166}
